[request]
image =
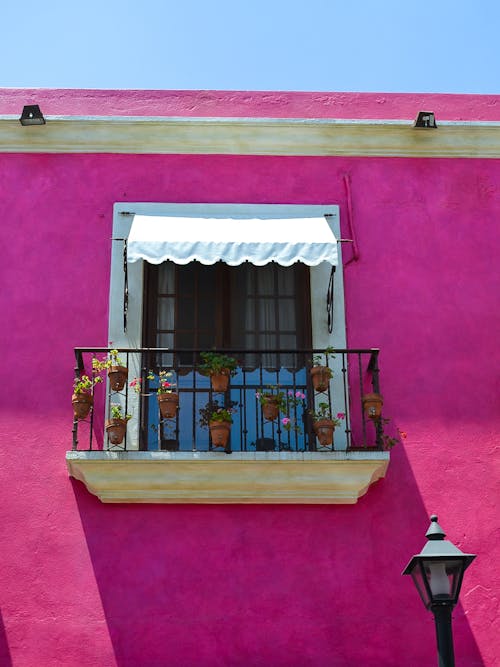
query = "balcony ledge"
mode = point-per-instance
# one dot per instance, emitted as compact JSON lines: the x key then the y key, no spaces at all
{"x":242,"y":477}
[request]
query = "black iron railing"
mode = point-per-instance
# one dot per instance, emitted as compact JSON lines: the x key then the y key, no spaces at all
{"x":355,"y":373}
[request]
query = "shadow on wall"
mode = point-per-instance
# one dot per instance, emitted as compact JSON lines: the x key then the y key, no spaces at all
{"x":5,"y":659}
{"x":288,"y":586}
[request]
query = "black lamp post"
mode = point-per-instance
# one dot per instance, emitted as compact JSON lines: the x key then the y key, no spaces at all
{"x":437,"y":572}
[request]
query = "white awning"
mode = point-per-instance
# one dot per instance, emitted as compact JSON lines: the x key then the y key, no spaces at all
{"x":231,"y":240}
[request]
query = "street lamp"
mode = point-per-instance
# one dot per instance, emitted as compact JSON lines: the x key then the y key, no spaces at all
{"x":437,"y":572}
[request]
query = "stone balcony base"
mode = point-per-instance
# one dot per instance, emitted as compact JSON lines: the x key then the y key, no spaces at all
{"x":241,"y":477}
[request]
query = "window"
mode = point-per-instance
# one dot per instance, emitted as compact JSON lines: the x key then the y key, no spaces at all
{"x":241,"y":307}
{"x":195,"y":306}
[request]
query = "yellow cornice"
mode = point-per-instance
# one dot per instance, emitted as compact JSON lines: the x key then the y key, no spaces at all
{"x":250,"y":136}
{"x":242,"y":477}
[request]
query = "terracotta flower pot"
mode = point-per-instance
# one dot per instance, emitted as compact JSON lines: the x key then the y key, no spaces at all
{"x":320,"y":377}
{"x":115,"y":429}
{"x":82,"y":402}
{"x":168,"y":404}
{"x":372,"y":405}
{"x":220,"y":381}
{"x":117,"y":377}
{"x":219,"y":432}
{"x":271,"y":409}
{"x":324,"y":429}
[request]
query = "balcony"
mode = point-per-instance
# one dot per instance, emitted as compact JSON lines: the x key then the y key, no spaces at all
{"x":174,"y":459}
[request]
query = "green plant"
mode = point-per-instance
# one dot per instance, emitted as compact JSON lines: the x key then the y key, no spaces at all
{"x":166,"y":387}
{"x":117,"y":412}
{"x":284,"y":399}
{"x":389,"y":441}
{"x":84,"y":384}
{"x":272,"y":394}
{"x":216,"y":362}
{"x":213,"y":412}
{"x":323,"y":411}
{"x":289,"y":424}
{"x":323,"y":358}
{"x":105,"y":364}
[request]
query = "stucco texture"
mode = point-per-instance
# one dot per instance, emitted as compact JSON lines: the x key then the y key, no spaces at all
{"x":242,"y":104}
{"x":85,"y":584}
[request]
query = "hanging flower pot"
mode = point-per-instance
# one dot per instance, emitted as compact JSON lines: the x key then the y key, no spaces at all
{"x":117,"y":377}
{"x":271,"y":407}
{"x":115,"y":428}
{"x":168,"y":404}
{"x":220,"y":380}
{"x":220,"y":367}
{"x":219,"y":432}
{"x":82,"y":402}
{"x":372,"y":405}
{"x":324,"y":429}
{"x":320,"y":377}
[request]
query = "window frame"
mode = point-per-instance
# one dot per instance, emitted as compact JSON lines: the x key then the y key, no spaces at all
{"x":123,"y":213}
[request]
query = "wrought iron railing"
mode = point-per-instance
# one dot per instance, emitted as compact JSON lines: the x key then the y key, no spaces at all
{"x":355,"y":373}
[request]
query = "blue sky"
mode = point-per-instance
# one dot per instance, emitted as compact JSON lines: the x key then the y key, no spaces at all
{"x":357,"y":45}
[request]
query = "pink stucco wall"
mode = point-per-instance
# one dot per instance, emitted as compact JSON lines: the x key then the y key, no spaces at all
{"x":85,"y":584}
{"x":207,"y":103}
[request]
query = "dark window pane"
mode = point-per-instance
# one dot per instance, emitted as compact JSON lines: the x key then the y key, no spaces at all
{"x":166,"y":278}
{"x":266,"y":315}
{"x":265,"y":279}
{"x":287,"y":315}
{"x":166,"y":307}
{"x":206,"y":308}
{"x":285,"y":280}
{"x":185,"y":314}
{"x":186,"y":280}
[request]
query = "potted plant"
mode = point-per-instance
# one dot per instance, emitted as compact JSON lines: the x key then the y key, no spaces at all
{"x":117,"y":424}
{"x":372,"y":405}
{"x":272,"y":402}
{"x":82,"y":398}
{"x":218,"y":419}
{"x":117,"y":371}
{"x":219,"y":367}
{"x":324,"y":423}
{"x":321,"y":373}
{"x":168,"y":398}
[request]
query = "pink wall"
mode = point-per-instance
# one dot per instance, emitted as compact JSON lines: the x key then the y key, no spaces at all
{"x":85,"y":584}
{"x":237,"y":103}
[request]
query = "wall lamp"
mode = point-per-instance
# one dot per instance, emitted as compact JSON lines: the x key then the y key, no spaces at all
{"x":32,"y":115}
{"x":425,"y":119}
{"x":437,"y":572}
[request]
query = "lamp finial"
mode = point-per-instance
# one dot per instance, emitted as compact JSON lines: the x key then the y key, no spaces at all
{"x":435,"y":531}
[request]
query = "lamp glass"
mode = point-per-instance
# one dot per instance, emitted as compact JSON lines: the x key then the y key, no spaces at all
{"x":444,"y":577}
{"x":419,"y":579}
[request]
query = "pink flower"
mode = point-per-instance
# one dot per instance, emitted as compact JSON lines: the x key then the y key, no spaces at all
{"x":285,"y":421}
{"x":290,"y":392}
{"x":257,"y":394}
{"x":340,"y":415}
{"x":299,"y":394}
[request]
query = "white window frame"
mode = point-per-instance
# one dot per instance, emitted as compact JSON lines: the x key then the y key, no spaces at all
{"x":319,"y":278}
